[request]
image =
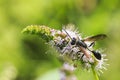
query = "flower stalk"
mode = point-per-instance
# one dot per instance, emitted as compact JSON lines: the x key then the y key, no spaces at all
{"x":94,"y":73}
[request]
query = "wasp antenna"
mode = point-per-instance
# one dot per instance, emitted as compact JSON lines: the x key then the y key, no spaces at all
{"x":67,"y":33}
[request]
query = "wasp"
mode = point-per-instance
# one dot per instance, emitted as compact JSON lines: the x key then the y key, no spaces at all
{"x":84,"y":47}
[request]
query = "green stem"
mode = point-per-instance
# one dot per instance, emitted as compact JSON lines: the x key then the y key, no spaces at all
{"x":95,"y":74}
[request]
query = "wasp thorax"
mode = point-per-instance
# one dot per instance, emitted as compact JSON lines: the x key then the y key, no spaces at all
{"x":81,"y":43}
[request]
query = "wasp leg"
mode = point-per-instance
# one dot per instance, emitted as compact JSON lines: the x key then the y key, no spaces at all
{"x":92,"y":44}
{"x":78,"y":54}
{"x":65,"y":48}
{"x":82,"y":56}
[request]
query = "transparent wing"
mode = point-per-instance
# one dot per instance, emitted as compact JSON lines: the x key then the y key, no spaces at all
{"x":95,"y":38}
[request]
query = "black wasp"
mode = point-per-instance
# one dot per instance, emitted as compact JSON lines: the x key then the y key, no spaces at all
{"x":83,"y":46}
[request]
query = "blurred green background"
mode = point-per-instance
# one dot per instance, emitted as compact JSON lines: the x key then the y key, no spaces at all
{"x":26,"y":57}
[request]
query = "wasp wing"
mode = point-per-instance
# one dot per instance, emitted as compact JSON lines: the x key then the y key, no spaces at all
{"x":95,"y":38}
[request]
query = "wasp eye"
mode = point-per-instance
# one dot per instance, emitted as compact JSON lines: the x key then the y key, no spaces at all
{"x":97,"y":55}
{"x":73,"y":41}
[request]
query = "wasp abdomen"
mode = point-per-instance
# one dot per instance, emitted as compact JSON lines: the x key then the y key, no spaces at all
{"x":97,"y":55}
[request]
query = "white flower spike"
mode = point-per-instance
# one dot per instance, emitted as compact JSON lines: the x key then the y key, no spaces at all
{"x":72,"y":46}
